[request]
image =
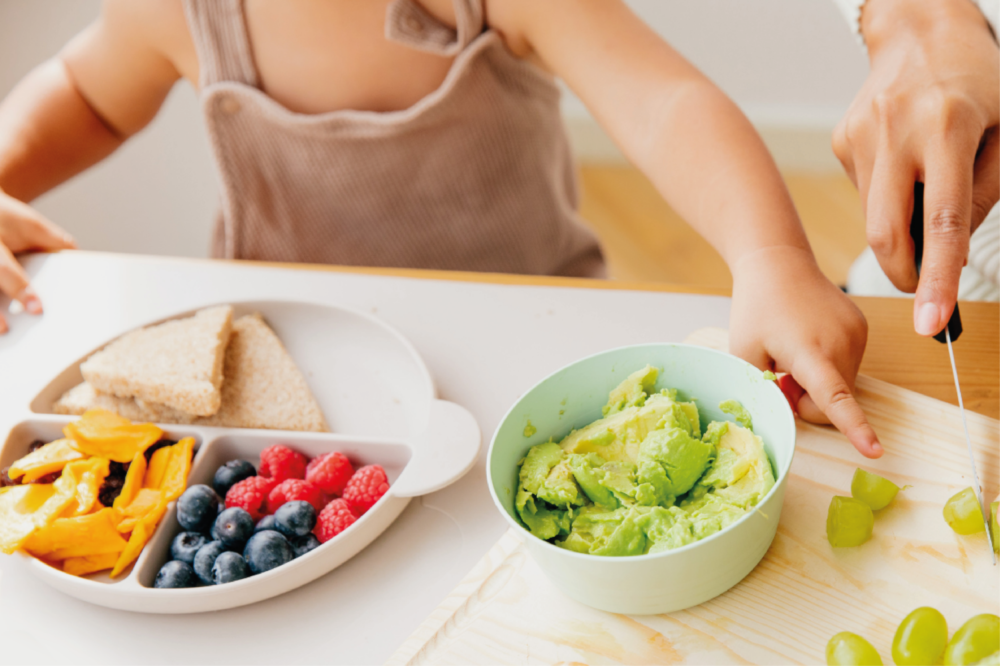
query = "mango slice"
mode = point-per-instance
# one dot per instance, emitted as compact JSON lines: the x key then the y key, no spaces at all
{"x":18,"y":505}
{"x":175,"y":477}
{"x":146,"y":501}
{"x":137,"y":541}
{"x":93,"y":534}
{"x":87,"y":477}
{"x":133,"y":481}
{"x":157,"y":468}
{"x":103,"y":434}
{"x":49,"y":458}
{"x":88,"y":564}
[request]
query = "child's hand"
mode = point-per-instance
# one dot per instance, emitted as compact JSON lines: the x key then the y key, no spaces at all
{"x":787,"y":316}
{"x":22,"y":229}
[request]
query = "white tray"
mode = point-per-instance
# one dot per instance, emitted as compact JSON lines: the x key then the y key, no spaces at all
{"x":380,"y":402}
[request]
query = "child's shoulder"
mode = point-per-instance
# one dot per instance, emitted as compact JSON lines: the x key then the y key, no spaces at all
{"x":160,"y":25}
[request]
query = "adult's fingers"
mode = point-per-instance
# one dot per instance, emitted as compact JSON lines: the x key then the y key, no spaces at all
{"x":890,"y":205}
{"x":14,"y":282}
{"x":986,"y":179}
{"x":948,"y":177}
{"x":830,"y":393}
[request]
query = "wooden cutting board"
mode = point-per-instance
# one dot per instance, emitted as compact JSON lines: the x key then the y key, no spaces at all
{"x":802,"y":592}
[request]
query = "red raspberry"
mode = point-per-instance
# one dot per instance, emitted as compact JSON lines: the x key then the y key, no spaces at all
{"x":280,"y":462}
{"x":334,"y":519}
{"x":365,"y":488}
{"x":251,"y":494}
{"x":330,"y":472}
{"x":294,"y":489}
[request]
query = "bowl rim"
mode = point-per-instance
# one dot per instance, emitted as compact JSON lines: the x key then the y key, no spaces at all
{"x":779,"y":481}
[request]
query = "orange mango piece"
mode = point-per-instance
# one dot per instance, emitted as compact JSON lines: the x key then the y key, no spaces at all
{"x":142,"y":533}
{"x":106,"y":435}
{"x":88,"y":476}
{"x":88,"y":564}
{"x":92,"y":534}
{"x":18,"y":505}
{"x":146,"y":501}
{"x":175,"y":477}
{"x":157,"y":468}
{"x":49,"y":458}
{"x":133,"y":481}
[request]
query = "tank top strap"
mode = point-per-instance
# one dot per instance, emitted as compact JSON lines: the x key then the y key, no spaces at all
{"x":408,"y":23}
{"x":219,"y":31}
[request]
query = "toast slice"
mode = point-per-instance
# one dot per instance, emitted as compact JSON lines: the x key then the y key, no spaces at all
{"x":83,"y":396}
{"x":177,"y":364}
{"x":263,"y":388}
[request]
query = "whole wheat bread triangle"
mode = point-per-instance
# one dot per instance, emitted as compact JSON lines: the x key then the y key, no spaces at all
{"x":177,"y":364}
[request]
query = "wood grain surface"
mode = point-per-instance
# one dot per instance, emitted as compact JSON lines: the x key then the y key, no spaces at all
{"x":803,"y":591}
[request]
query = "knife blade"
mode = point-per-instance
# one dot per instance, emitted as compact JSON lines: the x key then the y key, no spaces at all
{"x":950,"y":333}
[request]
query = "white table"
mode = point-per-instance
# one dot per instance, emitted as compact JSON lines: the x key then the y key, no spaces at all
{"x":485,"y":344}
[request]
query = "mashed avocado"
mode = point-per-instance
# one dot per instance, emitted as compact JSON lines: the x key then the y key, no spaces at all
{"x":644,"y":478}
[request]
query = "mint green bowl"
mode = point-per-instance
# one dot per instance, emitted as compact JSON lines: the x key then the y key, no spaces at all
{"x":676,"y":579}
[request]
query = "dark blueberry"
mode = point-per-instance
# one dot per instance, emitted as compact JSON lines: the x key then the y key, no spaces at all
{"x":233,"y":527}
{"x":186,"y":544}
{"x":175,"y":574}
{"x":197,"y":508}
{"x":302,"y":545}
{"x":295,"y":518}
{"x":229,"y":567}
{"x":231,"y":473}
{"x":265,"y":523}
{"x":35,"y":445}
{"x":110,"y":489}
{"x":205,"y":558}
{"x":148,"y":453}
{"x":267,"y":550}
{"x":5,"y":479}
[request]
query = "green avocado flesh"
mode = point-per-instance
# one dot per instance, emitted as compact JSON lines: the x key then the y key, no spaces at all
{"x":644,"y":478}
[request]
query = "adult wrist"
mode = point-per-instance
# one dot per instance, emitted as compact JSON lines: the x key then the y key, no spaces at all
{"x":886,"y":21}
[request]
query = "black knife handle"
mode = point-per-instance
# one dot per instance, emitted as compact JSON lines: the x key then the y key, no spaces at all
{"x":954,"y":326}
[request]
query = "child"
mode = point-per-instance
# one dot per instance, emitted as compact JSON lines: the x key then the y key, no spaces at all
{"x":426,"y":133}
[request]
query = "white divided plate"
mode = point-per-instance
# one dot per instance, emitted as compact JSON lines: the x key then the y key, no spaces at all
{"x":379,"y":400}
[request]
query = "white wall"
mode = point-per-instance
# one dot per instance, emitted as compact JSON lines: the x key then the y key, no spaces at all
{"x":792,"y":66}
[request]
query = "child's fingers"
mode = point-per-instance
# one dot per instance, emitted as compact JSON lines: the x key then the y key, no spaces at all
{"x":14,"y":282}
{"x":30,"y":231}
{"x":830,"y":400}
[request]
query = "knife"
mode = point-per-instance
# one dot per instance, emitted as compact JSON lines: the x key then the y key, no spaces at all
{"x":948,"y":335}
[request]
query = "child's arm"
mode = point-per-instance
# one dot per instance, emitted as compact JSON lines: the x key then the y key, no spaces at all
{"x":708,"y":162}
{"x":68,"y":114}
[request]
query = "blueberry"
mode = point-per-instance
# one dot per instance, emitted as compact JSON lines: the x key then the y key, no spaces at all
{"x":197,"y":508}
{"x":205,"y":558}
{"x":295,"y":518}
{"x":229,"y":567}
{"x":175,"y":574}
{"x":265,"y":523}
{"x":186,"y":544}
{"x":267,"y":550}
{"x":233,"y":527}
{"x":302,"y":545}
{"x":232,"y":473}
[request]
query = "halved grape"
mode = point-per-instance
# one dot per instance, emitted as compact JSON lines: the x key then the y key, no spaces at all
{"x":975,"y":640}
{"x":872,"y":489}
{"x":847,"y":649}
{"x":962,"y":512}
{"x":848,"y":522}
{"x":995,"y":526}
{"x":920,"y":639}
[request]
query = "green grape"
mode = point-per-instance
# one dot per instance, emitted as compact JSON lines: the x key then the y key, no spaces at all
{"x":872,"y":489}
{"x":975,"y":640}
{"x":848,"y":522}
{"x":920,"y":639}
{"x":992,"y":660}
{"x":995,"y":526}
{"x":847,"y":649}
{"x":962,"y":513}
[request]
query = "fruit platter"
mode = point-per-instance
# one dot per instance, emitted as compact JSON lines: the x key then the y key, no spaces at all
{"x":271,"y":459}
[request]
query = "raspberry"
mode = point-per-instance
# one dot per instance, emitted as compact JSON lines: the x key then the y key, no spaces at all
{"x":335,"y":517}
{"x":365,"y":488}
{"x":294,"y":489}
{"x":330,"y":472}
{"x":280,"y":463}
{"x":251,"y":495}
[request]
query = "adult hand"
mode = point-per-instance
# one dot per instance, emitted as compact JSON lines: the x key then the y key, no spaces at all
{"x":22,"y":229}
{"x":928,"y":112}
{"x":788,"y":317}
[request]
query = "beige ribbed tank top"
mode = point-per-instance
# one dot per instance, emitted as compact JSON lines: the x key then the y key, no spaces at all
{"x":476,"y":176}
